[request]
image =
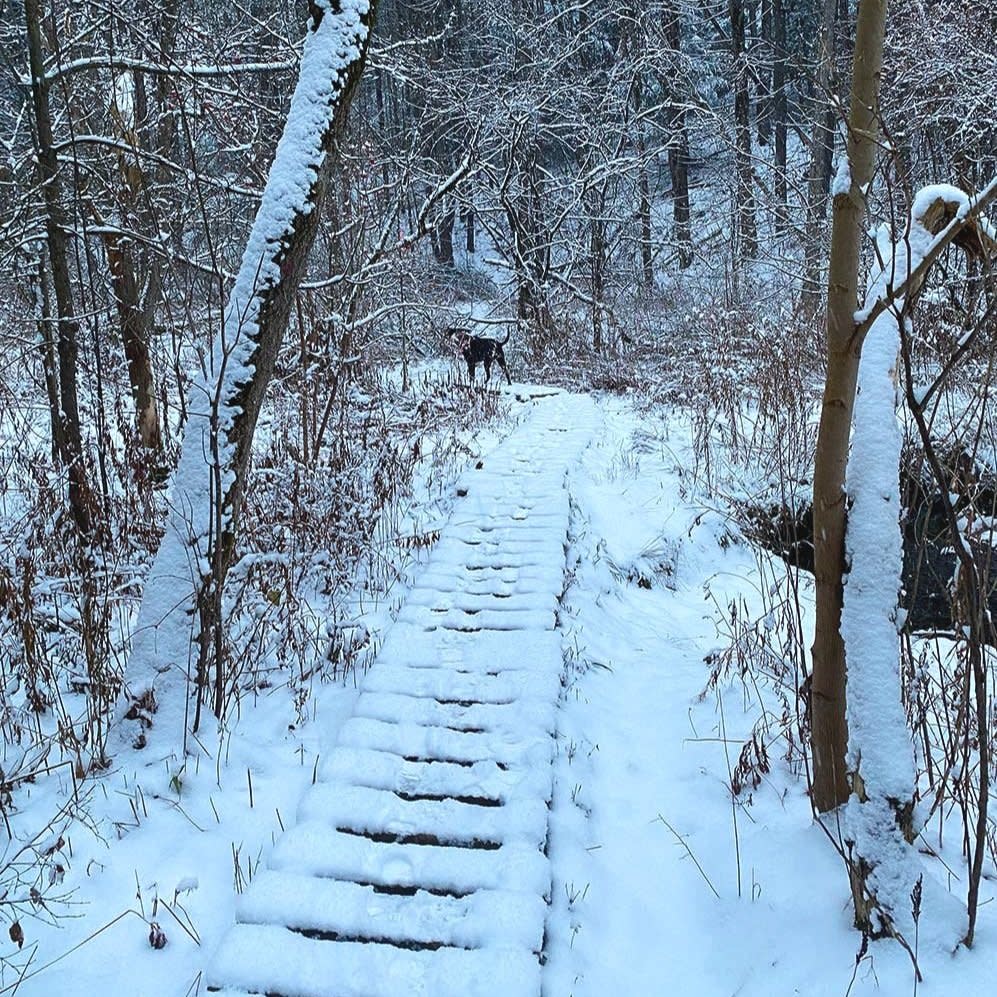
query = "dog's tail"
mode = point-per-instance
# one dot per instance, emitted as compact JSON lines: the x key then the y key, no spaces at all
{"x":502,"y":342}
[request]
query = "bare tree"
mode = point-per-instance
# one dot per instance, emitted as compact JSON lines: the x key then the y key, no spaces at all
{"x":189,"y":573}
{"x":844,"y":345}
{"x":678,"y":143}
{"x":821,"y":151}
{"x":745,"y":189}
{"x":70,"y":436}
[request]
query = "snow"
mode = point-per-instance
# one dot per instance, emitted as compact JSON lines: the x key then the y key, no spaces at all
{"x":645,"y":827}
{"x":643,"y":820}
{"x":306,"y":967}
{"x":879,"y":741}
{"x":878,"y":735}
{"x":486,"y":856}
{"x":162,"y":644}
{"x":896,"y":267}
{"x":842,"y":182}
{"x":123,"y":99}
{"x":928,"y":195}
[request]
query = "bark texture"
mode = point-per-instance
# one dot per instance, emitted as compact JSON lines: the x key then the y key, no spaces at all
{"x":70,"y":437}
{"x":821,"y":149}
{"x":678,"y":147}
{"x":747,"y":223}
{"x":830,"y":732}
{"x":188,"y":577}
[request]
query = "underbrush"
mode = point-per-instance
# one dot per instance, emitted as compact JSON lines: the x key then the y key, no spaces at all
{"x":327,"y":534}
{"x":753,"y":425}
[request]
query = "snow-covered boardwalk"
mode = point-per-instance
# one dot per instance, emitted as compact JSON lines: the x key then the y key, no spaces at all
{"x":418,"y":862}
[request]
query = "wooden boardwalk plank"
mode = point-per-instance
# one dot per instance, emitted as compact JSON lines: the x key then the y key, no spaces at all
{"x":417,"y":867}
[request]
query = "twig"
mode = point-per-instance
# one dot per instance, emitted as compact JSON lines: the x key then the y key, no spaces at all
{"x":688,"y":851}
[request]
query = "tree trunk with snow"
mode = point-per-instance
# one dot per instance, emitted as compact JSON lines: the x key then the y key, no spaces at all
{"x":188,"y":576}
{"x":780,"y":115}
{"x":764,"y":74}
{"x":531,"y":246}
{"x":70,"y":436}
{"x":643,"y":188}
{"x":678,"y":145}
{"x":47,"y":350}
{"x":821,"y":150}
{"x":830,"y":732}
{"x":878,"y":824}
{"x":441,"y":237}
{"x":135,"y":268}
{"x":745,"y":189}
{"x":136,"y":307}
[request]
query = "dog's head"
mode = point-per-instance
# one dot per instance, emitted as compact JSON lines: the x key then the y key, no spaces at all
{"x":459,"y":337}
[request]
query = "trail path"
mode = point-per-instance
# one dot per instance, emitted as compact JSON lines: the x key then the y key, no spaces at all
{"x":418,"y":862}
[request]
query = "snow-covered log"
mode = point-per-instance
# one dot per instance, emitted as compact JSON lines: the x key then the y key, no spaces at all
{"x":176,"y":638}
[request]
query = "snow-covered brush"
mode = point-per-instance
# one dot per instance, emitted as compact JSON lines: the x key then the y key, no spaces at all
{"x":327,"y":539}
{"x":882,"y":866}
{"x":653,"y":566}
{"x":764,"y":657}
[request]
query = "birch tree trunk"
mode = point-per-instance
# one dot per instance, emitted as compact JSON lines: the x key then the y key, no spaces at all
{"x":830,"y":733}
{"x":188,"y":576}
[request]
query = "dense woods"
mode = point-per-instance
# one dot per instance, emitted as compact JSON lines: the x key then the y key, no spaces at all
{"x":225,"y":381}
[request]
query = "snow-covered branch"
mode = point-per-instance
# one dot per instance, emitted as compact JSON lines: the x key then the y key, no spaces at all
{"x":879,"y":821}
{"x":966,"y":214}
{"x":191,"y":71}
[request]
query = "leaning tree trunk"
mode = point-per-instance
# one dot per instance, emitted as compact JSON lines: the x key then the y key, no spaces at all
{"x":188,"y":575}
{"x":70,"y":437}
{"x":830,"y":733}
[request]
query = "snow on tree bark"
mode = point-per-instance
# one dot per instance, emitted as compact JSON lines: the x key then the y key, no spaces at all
{"x":69,"y":438}
{"x":878,"y":823}
{"x":880,"y":762}
{"x":829,"y":731}
{"x":187,"y":576}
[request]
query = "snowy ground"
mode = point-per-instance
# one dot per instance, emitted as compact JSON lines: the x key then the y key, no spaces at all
{"x":664,"y":883}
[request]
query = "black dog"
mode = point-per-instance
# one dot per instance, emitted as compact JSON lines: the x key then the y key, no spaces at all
{"x":479,"y":349}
